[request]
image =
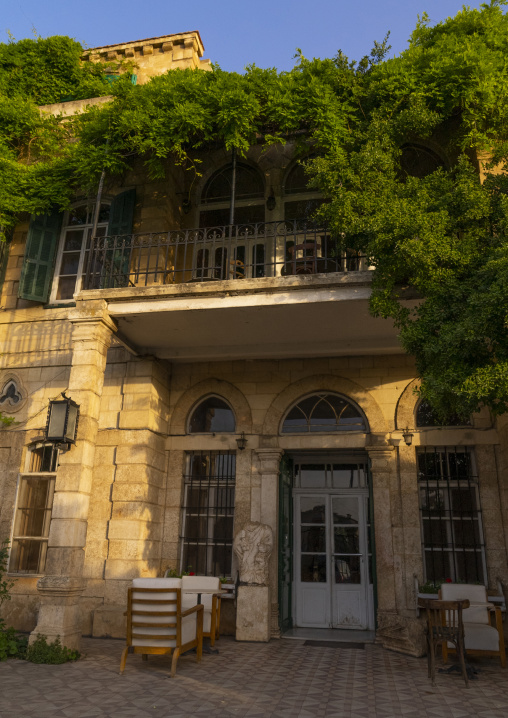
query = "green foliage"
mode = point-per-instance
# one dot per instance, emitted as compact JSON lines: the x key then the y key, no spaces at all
{"x":40,"y":651}
{"x":47,"y":70}
{"x":437,"y":242}
{"x":5,"y":583}
{"x":12,"y":645}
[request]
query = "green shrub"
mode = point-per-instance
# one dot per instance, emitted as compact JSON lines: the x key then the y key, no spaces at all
{"x":12,"y":645}
{"x":43,"y":652}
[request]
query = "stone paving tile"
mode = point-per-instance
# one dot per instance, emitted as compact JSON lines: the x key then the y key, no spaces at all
{"x":247,"y":680}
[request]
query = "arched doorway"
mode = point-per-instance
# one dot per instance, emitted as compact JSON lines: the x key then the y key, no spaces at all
{"x":327,"y":554}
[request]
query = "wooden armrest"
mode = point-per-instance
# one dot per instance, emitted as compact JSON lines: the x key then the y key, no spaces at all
{"x":194,"y":609}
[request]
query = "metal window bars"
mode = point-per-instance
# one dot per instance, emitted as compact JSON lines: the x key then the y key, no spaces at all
{"x":208,"y":513}
{"x":451,"y":517}
{"x":264,"y":249}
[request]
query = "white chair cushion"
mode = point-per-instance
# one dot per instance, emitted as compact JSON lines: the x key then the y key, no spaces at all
{"x":475,"y":594}
{"x":200,"y":583}
{"x":191,"y":599}
{"x":189,"y":624}
{"x":480,"y":638}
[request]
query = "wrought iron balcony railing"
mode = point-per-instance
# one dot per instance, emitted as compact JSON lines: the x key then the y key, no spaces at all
{"x":265,"y":249}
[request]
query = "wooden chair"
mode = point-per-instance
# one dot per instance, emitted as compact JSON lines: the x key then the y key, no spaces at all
{"x":444,"y":626}
{"x":483,"y":622}
{"x":204,"y":590}
{"x":156,"y":623}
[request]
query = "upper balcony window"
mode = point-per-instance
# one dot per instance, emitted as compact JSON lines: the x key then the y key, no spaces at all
{"x":212,"y":416}
{"x":249,"y":197}
{"x":323,"y":413}
{"x":73,"y":250}
{"x":419,"y":161}
{"x":300,"y":200}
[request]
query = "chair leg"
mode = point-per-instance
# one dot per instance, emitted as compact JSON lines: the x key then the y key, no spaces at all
{"x":462,"y":660}
{"x":176,"y":655}
{"x":444,"y":651}
{"x":432,"y":663}
{"x":123,"y":659}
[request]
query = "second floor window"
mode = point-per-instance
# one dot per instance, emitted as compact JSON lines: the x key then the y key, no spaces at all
{"x":73,"y":250}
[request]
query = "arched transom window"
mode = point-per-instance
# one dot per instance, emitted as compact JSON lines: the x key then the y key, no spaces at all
{"x":249,"y":197}
{"x":212,"y":416}
{"x":426,"y":416}
{"x":323,"y":412}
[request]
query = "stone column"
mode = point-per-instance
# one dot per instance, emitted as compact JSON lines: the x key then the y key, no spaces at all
{"x":269,"y":462}
{"x":395,"y":630}
{"x":60,"y":589}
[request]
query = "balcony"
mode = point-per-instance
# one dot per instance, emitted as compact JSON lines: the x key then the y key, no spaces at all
{"x":277,"y":289}
{"x":230,"y":252}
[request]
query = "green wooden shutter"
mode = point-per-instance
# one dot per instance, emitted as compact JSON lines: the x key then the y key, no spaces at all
{"x":37,"y":272}
{"x":121,"y":216}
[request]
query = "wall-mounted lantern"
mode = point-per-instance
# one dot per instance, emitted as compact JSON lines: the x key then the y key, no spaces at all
{"x":407,"y":436}
{"x":62,"y":423}
{"x":241,"y":441}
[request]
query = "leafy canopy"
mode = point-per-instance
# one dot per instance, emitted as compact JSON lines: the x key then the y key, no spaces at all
{"x":437,"y":240}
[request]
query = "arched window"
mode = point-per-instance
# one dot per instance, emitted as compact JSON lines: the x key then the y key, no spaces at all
{"x":301,"y":201}
{"x":419,"y":161}
{"x":249,"y":197}
{"x":212,"y":416}
{"x":426,"y":416}
{"x":323,"y":412}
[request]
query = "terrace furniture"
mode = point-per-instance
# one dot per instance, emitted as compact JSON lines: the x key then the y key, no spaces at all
{"x":158,"y":624}
{"x":444,"y":626}
{"x":207,"y":591}
{"x":483,"y":624}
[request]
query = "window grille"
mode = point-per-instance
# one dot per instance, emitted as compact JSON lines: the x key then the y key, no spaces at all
{"x":451,"y":518}
{"x":33,"y":512}
{"x":208,"y":513}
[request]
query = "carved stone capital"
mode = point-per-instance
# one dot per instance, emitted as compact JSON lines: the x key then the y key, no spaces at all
{"x":269,"y":460}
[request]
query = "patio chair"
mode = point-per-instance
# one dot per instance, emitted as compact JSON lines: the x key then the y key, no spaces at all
{"x":483,"y":623}
{"x":204,"y":590}
{"x":444,"y":626}
{"x":157,"y":624}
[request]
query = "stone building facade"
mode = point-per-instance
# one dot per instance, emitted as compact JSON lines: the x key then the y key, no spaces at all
{"x":227,"y":377}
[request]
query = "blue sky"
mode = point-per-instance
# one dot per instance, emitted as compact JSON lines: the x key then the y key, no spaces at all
{"x":235,"y":33}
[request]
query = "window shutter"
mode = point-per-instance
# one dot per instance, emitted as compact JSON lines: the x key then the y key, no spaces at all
{"x":121,"y":213}
{"x":37,"y":272}
{"x":121,"y":216}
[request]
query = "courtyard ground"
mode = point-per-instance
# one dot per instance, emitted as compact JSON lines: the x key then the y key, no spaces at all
{"x":280,"y":678}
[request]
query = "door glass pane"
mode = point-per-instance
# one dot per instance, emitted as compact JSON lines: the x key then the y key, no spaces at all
{"x":347,"y":569}
{"x":313,"y":569}
{"x":346,"y":540}
{"x":345,"y":510}
{"x":313,"y":539}
{"x":313,"y":476}
{"x":312,"y":510}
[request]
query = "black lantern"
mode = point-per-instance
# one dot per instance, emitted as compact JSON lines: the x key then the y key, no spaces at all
{"x":62,"y":423}
{"x":407,"y":436}
{"x":241,"y":441}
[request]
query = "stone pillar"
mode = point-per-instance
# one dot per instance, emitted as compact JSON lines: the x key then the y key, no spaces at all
{"x":396,"y":630}
{"x":60,"y":589}
{"x":269,"y":462}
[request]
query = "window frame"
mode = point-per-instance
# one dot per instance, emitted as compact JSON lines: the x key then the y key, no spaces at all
{"x":363,"y":430}
{"x":16,"y":536}
{"x":451,"y":520}
{"x":211,"y":482}
{"x":87,"y":229}
{"x":196,"y":406}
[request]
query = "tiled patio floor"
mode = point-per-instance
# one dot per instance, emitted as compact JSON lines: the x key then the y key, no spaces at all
{"x":281,"y":678}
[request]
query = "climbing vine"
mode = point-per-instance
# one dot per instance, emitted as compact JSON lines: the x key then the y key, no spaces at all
{"x":437,"y":238}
